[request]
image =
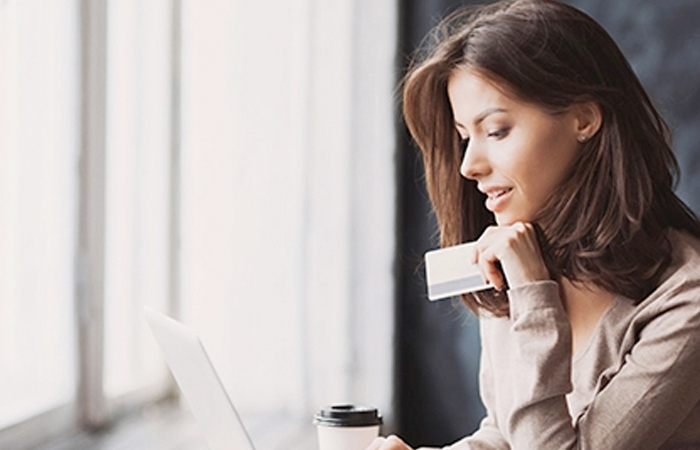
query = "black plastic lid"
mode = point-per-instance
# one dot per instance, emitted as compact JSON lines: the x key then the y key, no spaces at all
{"x":348,"y":416}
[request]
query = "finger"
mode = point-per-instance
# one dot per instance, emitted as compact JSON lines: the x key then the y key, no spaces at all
{"x":394,"y":443}
{"x":376,"y":444}
{"x":487,"y":258}
{"x":516,"y":250}
{"x":489,"y":264}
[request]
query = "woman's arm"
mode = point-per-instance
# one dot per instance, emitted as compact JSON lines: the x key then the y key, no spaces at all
{"x":637,"y":407}
{"x":487,"y":437}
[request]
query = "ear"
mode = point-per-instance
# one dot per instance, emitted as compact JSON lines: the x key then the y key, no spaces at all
{"x":588,"y":119}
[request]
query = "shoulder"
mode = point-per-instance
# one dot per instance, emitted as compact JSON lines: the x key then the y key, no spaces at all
{"x":684,"y":270}
{"x":678,"y":293}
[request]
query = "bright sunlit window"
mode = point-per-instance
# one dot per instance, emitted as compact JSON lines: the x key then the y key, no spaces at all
{"x":38,"y":203}
{"x":137,"y":189}
{"x":227,"y":160}
{"x":41,"y":170}
{"x":288,"y":198}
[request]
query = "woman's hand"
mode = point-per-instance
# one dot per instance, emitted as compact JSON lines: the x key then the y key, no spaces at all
{"x":388,"y":443}
{"x":513,"y":248}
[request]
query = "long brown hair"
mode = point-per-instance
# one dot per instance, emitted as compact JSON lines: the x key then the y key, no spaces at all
{"x":607,"y":224}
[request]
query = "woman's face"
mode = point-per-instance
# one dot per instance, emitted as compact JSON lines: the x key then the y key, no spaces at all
{"x":517,"y":152}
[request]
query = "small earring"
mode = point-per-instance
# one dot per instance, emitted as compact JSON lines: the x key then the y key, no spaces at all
{"x":583,"y":138}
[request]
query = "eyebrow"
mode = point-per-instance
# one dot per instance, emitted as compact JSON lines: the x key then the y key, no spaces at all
{"x":484,"y":114}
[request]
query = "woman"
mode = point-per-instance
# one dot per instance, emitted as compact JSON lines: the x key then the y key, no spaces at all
{"x":540,"y":143}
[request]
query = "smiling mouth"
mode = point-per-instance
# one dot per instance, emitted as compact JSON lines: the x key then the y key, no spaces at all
{"x":497,"y":194}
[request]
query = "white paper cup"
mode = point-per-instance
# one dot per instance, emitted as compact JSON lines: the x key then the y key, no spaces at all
{"x":347,"y":427}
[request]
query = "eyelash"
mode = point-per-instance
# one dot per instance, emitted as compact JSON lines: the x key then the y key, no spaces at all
{"x":498,"y":134}
{"x":503,"y":132}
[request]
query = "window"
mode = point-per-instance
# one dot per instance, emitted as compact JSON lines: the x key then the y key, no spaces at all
{"x":84,"y":210}
{"x":39,"y":144}
{"x":228,"y":161}
{"x":288,"y":198}
{"x":137,"y":225}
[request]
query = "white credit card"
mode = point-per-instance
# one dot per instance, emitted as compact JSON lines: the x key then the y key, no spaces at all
{"x":450,"y":272}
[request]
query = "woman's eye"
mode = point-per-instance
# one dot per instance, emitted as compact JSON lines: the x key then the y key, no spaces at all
{"x":498,"y":134}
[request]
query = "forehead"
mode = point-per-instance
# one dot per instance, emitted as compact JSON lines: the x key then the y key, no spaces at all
{"x":471,"y":92}
{"x":468,"y":87}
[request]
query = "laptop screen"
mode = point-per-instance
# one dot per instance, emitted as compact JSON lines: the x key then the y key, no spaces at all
{"x":199,"y":383}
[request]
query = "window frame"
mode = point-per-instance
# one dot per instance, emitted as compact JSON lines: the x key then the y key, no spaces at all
{"x":95,"y":410}
{"x":91,"y":410}
{"x":365,"y":283}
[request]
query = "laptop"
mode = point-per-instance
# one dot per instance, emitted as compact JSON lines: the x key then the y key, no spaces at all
{"x":199,"y":383}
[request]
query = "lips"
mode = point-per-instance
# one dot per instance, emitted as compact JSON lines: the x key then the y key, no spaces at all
{"x":496,"y":197}
{"x":495,"y":194}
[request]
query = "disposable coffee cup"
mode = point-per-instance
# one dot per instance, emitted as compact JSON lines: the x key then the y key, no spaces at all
{"x":347,"y":427}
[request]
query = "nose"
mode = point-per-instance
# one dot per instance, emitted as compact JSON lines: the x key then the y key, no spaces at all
{"x":474,"y":162}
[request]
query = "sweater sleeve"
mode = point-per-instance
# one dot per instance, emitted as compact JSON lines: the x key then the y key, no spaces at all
{"x":541,"y":358}
{"x":488,"y":436}
{"x":639,"y":406}
{"x":542,"y":348}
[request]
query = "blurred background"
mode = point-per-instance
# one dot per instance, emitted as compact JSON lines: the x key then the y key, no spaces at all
{"x":241,"y":166}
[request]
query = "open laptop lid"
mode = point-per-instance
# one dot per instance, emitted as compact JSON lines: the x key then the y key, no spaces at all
{"x":200,"y":384}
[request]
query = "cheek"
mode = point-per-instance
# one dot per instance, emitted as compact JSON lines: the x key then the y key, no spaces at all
{"x":561,"y":162}
{"x":544,"y":167}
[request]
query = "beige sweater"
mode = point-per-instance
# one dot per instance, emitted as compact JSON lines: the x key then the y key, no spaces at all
{"x":635,"y":386}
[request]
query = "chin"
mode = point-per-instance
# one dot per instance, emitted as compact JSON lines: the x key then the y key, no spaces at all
{"x":504,"y":220}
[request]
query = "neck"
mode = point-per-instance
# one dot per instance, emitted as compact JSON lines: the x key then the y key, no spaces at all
{"x":584,"y":304}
